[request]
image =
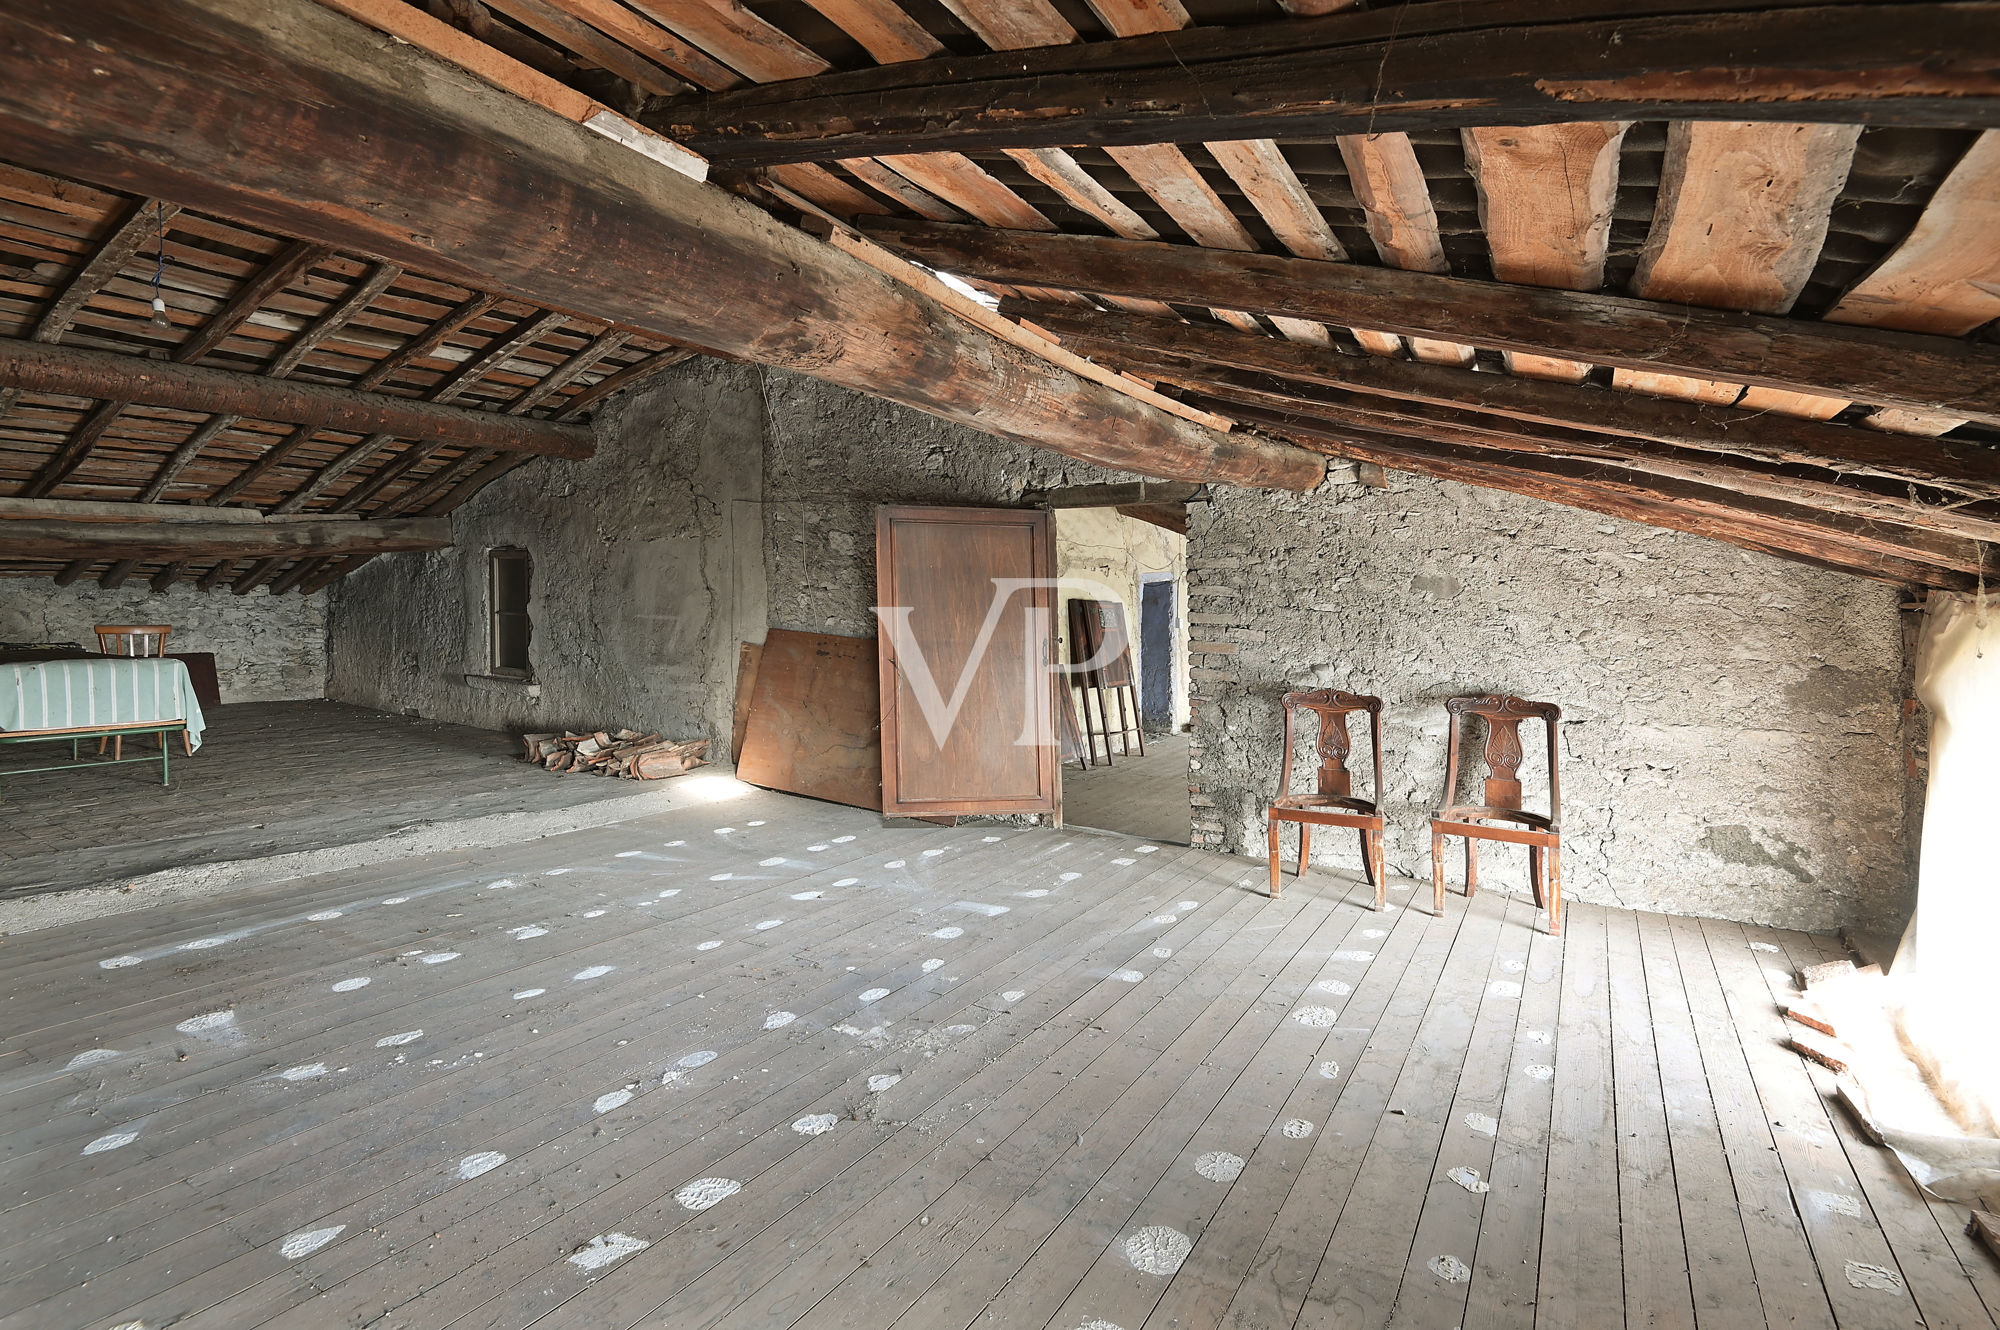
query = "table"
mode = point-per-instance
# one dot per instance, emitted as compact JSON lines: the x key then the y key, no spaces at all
{"x":99,"y":697}
{"x":201,"y":666}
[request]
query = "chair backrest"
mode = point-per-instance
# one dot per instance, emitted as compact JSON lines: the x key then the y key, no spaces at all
{"x":124,"y":639}
{"x":1503,"y":717}
{"x":1332,"y":707}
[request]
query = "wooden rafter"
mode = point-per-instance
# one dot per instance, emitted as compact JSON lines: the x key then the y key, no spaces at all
{"x":1924,"y":373}
{"x":45,"y":538}
{"x":1379,"y":71}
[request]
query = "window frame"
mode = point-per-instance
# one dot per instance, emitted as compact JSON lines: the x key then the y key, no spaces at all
{"x":495,"y":559}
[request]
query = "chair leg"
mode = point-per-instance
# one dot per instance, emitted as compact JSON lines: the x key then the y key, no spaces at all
{"x":118,"y":748}
{"x":103,"y":742}
{"x":187,"y":743}
{"x":1367,"y":858}
{"x":1535,"y":875}
{"x":1305,"y":845}
{"x":1471,"y":867}
{"x":1437,"y":874}
{"x":1277,"y":869}
{"x":1555,"y":877}
{"x":1371,"y":845}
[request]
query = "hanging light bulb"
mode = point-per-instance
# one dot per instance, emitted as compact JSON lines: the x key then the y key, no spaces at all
{"x":160,"y":319}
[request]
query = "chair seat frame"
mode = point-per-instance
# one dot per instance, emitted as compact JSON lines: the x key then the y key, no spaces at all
{"x":1334,"y":804}
{"x":1501,"y":818}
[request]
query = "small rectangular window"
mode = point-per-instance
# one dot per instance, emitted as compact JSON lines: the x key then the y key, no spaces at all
{"x":508,"y":573}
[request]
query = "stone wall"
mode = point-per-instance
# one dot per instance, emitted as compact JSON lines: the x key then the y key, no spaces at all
{"x":267,"y":648}
{"x":647,"y":570}
{"x":1732,"y":742}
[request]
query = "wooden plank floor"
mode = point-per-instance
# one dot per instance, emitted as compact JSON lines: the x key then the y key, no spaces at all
{"x":767,"y":1062}
{"x":1138,"y":794}
{"x":270,"y":778}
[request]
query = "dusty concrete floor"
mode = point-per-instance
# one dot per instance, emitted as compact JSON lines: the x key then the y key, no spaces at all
{"x":1140,"y":796}
{"x":271,"y":778}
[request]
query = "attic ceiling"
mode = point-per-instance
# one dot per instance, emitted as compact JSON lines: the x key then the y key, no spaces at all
{"x":1758,"y":307}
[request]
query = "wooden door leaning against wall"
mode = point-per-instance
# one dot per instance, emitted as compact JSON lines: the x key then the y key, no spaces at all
{"x":966,"y":618}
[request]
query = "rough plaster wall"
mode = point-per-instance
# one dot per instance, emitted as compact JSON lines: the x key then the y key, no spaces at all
{"x":1104,"y":545}
{"x":831,"y":456}
{"x":1733,"y":742}
{"x":636,"y":587}
{"x":267,"y":648}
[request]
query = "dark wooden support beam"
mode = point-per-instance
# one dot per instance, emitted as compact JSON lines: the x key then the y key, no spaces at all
{"x":77,"y":372}
{"x":331,"y":571}
{"x":177,"y":461}
{"x":296,"y":574}
{"x":1169,"y":348}
{"x":476,"y":482}
{"x":563,"y":375}
{"x":73,"y":571}
{"x":477,"y":368}
{"x":417,"y":496}
{"x":1697,"y":510}
{"x":338,"y":316}
{"x":426,"y":345}
{"x":216,"y":576}
{"x":259,"y":572}
{"x":286,"y":267}
{"x":132,"y":95}
{"x":635,"y":373}
{"x":169,"y":541}
{"x":169,"y":575}
{"x":1514,"y":62}
{"x":1865,"y":364}
{"x":325,"y":477}
{"x":273,"y":457}
{"x":78,"y":445}
{"x":1115,"y":496}
{"x":115,"y":576}
{"x":386,"y":475}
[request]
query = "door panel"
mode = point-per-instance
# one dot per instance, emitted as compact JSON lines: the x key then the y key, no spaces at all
{"x":965,"y":663}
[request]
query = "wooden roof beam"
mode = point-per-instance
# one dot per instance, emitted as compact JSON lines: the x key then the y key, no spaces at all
{"x":1397,"y":68}
{"x":1892,"y":369}
{"x":47,"y":538}
{"x":541,"y":210}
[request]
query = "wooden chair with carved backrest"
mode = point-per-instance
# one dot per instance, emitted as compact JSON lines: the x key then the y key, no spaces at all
{"x":1332,"y":804}
{"x":1502,"y":806}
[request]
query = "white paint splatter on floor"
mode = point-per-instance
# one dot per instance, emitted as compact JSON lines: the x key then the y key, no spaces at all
{"x":1363,"y":956}
{"x":605,"y":1248}
{"x":303,"y":1073}
{"x":720,"y":831}
{"x":398,"y":1040}
{"x":1148,"y":849}
{"x":308,"y":1242}
{"x":772,"y":862}
{"x":777,"y":1020}
{"x":933,"y":964}
{"x":1185,"y":906}
{"x":893,"y":863}
{"x":510,"y":882}
{"x":1335,"y":987}
{"x":592,"y":914}
{"x":932,"y":854}
{"x":1374,"y":932}
{"x":1128,"y":976}
{"x":526,"y":931}
{"x":700,"y":1059}
{"x":1863,"y":1275}
{"x":670,"y":844}
{"x":395,"y":900}
{"x":591,"y":972}
{"x":1513,"y":965}
{"x":1164,"y":919}
{"x":1316,"y":1018}
{"x":709,"y":945}
{"x":842,"y":840}
{"x":720,"y":877}
{"x":440,"y":957}
{"x":90,"y":1057}
{"x":207,"y":1021}
{"x":1483,"y":1123}
{"x":764,"y":924}
{"x":1068,"y":877}
{"x":815,"y":1124}
{"x":1762,"y":946}
{"x":322,"y":916}
{"x":615,"y":1099}
{"x":553,"y":872}
{"x":874,"y":994}
{"x":847,"y":882}
{"x":120,"y":962}
{"x":110,"y":1141}
{"x":1297,"y":1128}
{"x":484,"y":1162}
{"x":1161,"y":953}
{"x":980,"y":907}
{"x":806,"y":895}
{"x":1469,"y":1179}
{"x":1036,"y":894}
{"x":1540,"y":1072}
{"x":1219,"y":1166}
{"x":202,"y":944}
{"x":877,"y":1084}
{"x":1329,"y":1070}
{"x":1538,"y":1036}
{"x":351,"y":985}
{"x":1013,"y":995}
{"x":1504,"y":988}
{"x":989,"y":839}
{"x":529,"y":992}
{"x":949,"y":933}
{"x":1157,"y":1249}
{"x":1450,"y":1269}
{"x":1837,"y":1203}
{"x":1124,"y":863}
{"x":628,"y":854}
{"x":704,"y":1192}
{"x":755,"y":822}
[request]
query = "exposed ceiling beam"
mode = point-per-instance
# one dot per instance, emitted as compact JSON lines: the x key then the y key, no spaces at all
{"x":123,"y":92}
{"x":1867,"y":364}
{"x":1169,"y":347}
{"x":78,"y":372}
{"x":47,"y":538}
{"x":1400,"y":67}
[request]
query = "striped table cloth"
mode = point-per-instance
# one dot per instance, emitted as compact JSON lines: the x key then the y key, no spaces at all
{"x":100,"y":691}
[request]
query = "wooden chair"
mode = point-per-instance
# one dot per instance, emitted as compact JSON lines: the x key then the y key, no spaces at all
{"x":127,"y":639}
{"x":1473,"y":822}
{"x":1333,"y":804}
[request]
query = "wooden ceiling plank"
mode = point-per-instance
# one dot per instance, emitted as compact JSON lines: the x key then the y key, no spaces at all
{"x":331,"y":571}
{"x":1065,"y":176}
{"x":272,"y":457}
{"x":1175,"y":348}
{"x":967,"y":185}
{"x":1514,"y":62}
{"x":918,"y":200}
{"x":169,"y":575}
{"x":1741,"y":216}
{"x":367,"y":119}
{"x":637,"y":372}
{"x":296,"y":574}
{"x":652,"y":42}
{"x":259,"y":573}
{"x":177,"y":461}
{"x":1013,"y":25}
{"x":1133,"y":18}
{"x":44,"y":538}
{"x":477,"y":481}
{"x":1899,"y":369}
{"x":358,"y":298}
{"x":737,"y":37}
{"x":882,"y":28}
{"x":607,"y":53}
{"x":1545,"y":198}
{"x":327,"y":475}
{"x":413,"y":455}
{"x":608,"y":342}
{"x":415,"y":499}
{"x":75,"y":448}
{"x":426,"y":345}
{"x":827,"y":190}
{"x":526,"y":334}
{"x":1396,"y":200}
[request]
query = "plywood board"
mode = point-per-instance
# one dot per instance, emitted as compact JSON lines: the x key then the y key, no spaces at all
{"x":747,"y":657}
{"x":815,"y":719}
